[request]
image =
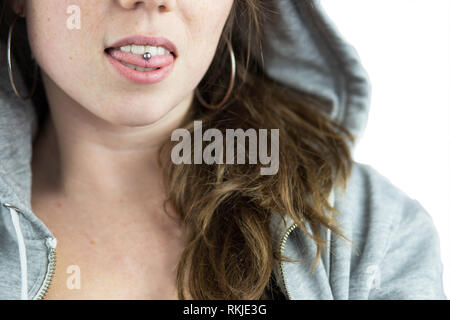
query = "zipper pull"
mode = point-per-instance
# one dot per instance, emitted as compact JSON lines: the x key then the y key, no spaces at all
{"x":51,"y":242}
{"x":8,"y":205}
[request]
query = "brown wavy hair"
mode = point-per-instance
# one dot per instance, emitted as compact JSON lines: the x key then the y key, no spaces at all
{"x":227,"y":209}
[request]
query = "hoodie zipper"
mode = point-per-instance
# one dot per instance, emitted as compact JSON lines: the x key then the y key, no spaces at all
{"x":52,"y":242}
{"x":51,"y":245}
{"x":283,"y":243}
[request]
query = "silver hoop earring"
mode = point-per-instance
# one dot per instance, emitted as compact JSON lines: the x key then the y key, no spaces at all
{"x":10,"y":71}
{"x":231,"y":85}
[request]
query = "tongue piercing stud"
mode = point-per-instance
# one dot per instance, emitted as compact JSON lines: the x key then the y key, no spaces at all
{"x":147,"y":56}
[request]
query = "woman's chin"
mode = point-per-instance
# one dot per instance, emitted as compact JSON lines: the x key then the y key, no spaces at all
{"x":136,"y":116}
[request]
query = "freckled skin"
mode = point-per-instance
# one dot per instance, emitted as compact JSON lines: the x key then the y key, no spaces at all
{"x":73,"y":61}
{"x":106,"y":209}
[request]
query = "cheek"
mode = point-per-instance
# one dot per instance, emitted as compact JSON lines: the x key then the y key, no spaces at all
{"x":206,"y":23}
{"x":58,"y":49}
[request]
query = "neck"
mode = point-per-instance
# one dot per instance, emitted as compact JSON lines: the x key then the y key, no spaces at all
{"x":80,"y":156}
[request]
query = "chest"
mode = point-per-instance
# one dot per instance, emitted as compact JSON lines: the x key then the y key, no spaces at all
{"x":130,"y":258}
{"x":103,"y":273}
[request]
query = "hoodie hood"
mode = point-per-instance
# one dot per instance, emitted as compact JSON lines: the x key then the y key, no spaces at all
{"x":315,"y":59}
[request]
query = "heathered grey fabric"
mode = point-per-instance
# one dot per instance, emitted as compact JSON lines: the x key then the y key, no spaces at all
{"x":395,"y":252}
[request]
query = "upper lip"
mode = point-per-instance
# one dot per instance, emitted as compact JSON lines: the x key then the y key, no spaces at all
{"x":147,"y":41}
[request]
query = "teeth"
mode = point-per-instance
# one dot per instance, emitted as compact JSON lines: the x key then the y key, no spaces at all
{"x":153,"y":50}
{"x":137,"y":68}
{"x":136,"y":49}
{"x":126,"y":49}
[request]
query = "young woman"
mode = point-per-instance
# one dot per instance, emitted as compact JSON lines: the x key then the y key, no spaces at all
{"x":94,"y":207}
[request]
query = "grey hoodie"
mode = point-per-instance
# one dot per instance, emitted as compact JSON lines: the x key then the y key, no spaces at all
{"x":396,"y":252}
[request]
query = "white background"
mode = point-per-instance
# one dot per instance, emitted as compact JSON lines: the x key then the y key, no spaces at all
{"x":405,"y":47}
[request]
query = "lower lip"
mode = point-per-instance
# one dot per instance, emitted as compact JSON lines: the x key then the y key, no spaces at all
{"x":150,"y":77}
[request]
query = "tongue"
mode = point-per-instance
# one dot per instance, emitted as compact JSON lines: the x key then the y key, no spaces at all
{"x":133,"y":66}
{"x":159,"y":61}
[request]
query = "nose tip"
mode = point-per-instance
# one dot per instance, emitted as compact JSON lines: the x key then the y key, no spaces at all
{"x":129,"y":4}
{"x":162,"y":5}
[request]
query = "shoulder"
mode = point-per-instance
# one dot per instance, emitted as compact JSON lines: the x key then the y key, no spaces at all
{"x":373,"y":197}
{"x":393,"y":234}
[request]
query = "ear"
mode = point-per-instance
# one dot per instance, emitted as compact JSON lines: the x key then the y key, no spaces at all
{"x":18,"y":6}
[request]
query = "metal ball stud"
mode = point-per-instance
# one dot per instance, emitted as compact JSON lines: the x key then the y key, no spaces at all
{"x":147,"y":56}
